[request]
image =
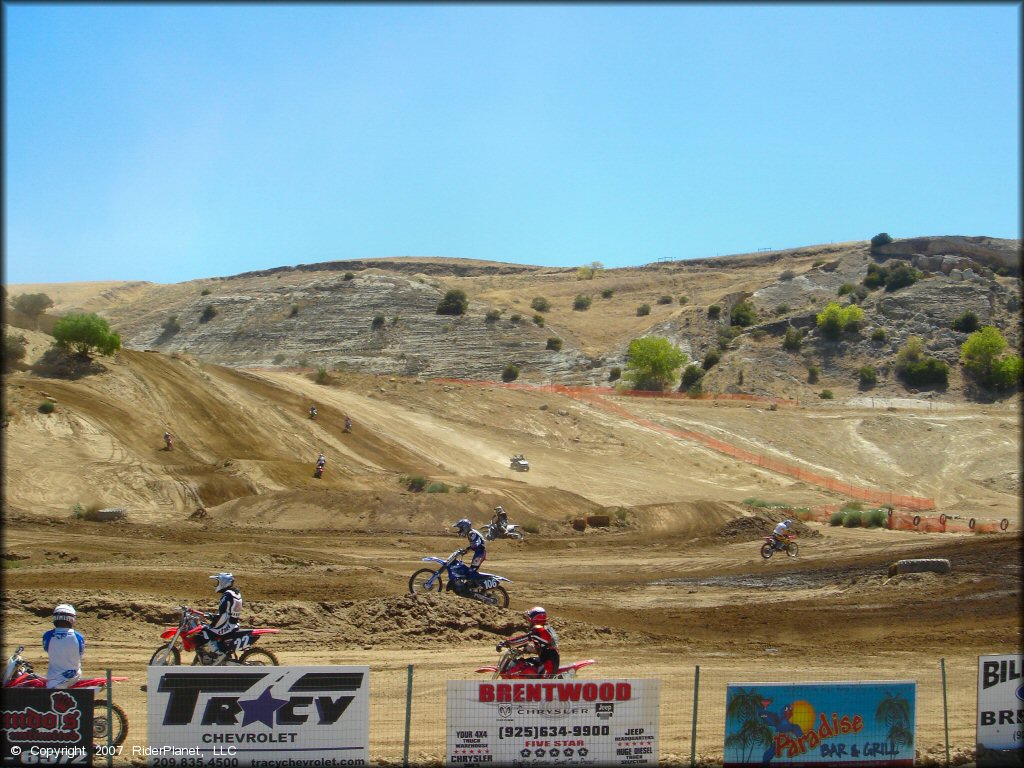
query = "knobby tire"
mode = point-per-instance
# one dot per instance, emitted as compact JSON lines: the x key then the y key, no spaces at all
{"x":100,"y":725}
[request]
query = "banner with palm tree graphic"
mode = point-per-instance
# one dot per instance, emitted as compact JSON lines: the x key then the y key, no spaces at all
{"x":820,"y":724}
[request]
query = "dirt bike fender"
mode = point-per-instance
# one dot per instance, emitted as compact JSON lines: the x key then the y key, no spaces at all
{"x":485,"y":576}
{"x":257,"y":632}
{"x":486,"y":669}
{"x":577,"y":666}
{"x":168,"y":633}
{"x":433,"y":560}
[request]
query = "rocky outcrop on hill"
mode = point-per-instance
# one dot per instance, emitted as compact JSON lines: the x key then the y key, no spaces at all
{"x":953,"y":252}
{"x":375,"y":322}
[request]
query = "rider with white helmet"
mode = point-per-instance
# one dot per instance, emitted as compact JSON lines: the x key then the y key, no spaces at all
{"x":476,"y":543}
{"x":543,"y":639}
{"x":779,"y":534}
{"x":65,"y":647}
{"x":225,"y":620}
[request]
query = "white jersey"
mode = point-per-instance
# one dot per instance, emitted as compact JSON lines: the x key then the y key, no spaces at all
{"x":780,"y":530}
{"x":65,"y":647}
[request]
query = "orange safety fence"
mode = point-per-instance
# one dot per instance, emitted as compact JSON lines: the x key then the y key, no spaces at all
{"x":594,"y":395}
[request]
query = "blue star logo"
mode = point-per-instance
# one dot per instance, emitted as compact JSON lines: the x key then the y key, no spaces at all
{"x":261,"y":709}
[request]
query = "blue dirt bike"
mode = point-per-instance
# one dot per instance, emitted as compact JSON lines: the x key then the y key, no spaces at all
{"x":480,"y":586}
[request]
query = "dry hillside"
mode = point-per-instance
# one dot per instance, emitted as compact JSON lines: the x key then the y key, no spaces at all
{"x":674,"y":580}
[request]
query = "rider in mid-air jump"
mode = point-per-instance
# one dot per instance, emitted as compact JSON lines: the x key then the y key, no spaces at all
{"x":779,"y":534}
{"x":476,"y":543}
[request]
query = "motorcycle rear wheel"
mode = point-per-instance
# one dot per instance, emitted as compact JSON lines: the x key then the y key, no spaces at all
{"x":499,"y":595}
{"x":767,"y":550}
{"x":418,"y":582}
{"x":259,"y":657}
{"x":162,"y":658}
{"x":118,"y":724}
{"x":792,"y":549}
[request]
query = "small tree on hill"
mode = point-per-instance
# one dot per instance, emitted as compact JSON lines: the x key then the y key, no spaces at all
{"x":453,"y":303}
{"x":834,"y":319}
{"x":917,"y":369}
{"x":14,"y":350}
{"x":653,"y":362}
{"x":982,"y":356}
{"x":540,"y":304}
{"x":85,"y":333}
{"x":882,"y":238}
{"x":793,"y":339}
{"x":511,"y":373}
{"x":581,"y":302}
{"x":966,"y":323}
{"x":32,"y":304}
{"x":743,"y":314}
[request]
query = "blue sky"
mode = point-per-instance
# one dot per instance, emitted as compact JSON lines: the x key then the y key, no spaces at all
{"x":174,"y":142}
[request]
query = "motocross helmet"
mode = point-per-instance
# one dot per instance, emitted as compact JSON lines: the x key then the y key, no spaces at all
{"x":224,"y":580}
{"x":464,"y":526}
{"x":65,"y":612}
{"x":787,"y":523}
{"x":536,"y":615}
{"x":499,"y":510}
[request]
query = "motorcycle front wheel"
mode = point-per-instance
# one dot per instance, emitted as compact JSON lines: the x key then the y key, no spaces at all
{"x":767,"y":550}
{"x":418,"y":582}
{"x":791,"y":549}
{"x":258,"y":657}
{"x":499,"y":595}
{"x":117,"y":726}
{"x":165,"y":656}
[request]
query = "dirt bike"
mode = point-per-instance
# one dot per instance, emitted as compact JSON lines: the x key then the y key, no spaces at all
{"x":188,"y":636}
{"x":168,"y":442}
{"x":519,"y":463}
{"x":494,"y":531}
{"x":514,"y":663}
{"x":319,"y":471}
{"x":771,"y":546}
{"x":483,"y":586}
{"x":312,"y":413}
{"x":19,"y":674}
{"x":348,"y":424}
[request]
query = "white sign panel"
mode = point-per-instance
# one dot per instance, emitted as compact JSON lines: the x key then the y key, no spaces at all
{"x":552,"y":722}
{"x":1000,"y":706}
{"x":293,"y":716}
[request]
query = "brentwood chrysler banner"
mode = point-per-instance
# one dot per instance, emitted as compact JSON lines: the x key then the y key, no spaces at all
{"x":553,"y":722}
{"x":1000,"y":710}
{"x":48,"y":727}
{"x":822,"y":724}
{"x":259,"y":716}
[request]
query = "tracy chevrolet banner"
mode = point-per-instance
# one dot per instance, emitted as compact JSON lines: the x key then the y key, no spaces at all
{"x":259,"y":716}
{"x":553,"y":722}
{"x":820,"y":724}
{"x":1000,"y":710}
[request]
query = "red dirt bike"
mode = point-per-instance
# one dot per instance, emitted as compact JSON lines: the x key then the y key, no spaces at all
{"x":513,"y":664}
{"x":771,"y":546}
{"x":19,"y":674}
{"x":319,"y":471}
{"x":188,"y":636}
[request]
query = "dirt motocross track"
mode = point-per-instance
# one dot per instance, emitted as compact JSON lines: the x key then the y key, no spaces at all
{"x":674,"y":581}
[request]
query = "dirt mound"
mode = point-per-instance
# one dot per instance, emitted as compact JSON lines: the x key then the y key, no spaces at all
{"x":763,"y":523}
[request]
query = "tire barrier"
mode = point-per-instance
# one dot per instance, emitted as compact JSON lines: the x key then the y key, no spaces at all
{"x":920,"y":565}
